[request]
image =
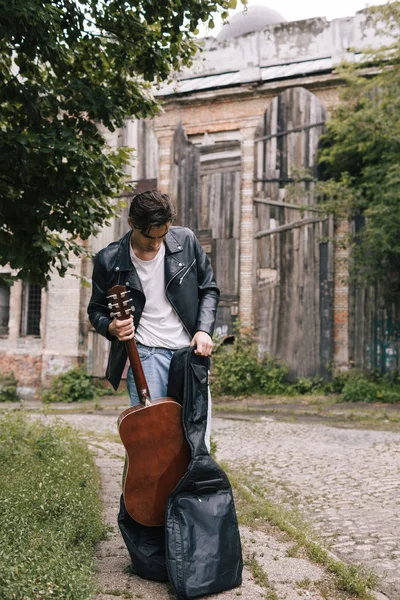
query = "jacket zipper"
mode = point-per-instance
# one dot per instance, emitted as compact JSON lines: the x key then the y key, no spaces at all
{"x":186,"y":272}
{"x":172,"y":278}
{"x":172,"y":304}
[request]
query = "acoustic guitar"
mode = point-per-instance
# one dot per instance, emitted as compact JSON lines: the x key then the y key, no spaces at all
{"x":156,"y":447}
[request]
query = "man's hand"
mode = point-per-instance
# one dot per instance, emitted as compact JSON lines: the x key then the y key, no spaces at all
{"x":123,"y":330}
{"x":203,"y":343}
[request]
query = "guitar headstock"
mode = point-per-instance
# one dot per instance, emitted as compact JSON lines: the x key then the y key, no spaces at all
{"x":120,"y":302}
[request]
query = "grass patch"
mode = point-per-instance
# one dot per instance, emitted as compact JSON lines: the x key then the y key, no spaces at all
{"x":109,"y":436}
{"x":50,"y":512}
{"x":260,"y":577}
{"x":255,"y":509}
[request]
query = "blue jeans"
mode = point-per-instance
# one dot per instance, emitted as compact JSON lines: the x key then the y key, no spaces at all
{"x":155,"y":363}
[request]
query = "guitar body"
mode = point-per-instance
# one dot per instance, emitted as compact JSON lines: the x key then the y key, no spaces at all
{"x":158,"y":453}
{"x":157,"y":457}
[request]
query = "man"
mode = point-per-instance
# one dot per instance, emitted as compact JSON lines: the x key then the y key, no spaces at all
{"x":173,"y":289}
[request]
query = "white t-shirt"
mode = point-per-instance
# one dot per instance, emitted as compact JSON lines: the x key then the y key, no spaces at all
{"x":159,"y":324}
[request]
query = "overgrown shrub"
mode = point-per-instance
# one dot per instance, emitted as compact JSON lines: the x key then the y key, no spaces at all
{"x":390,"y":395}
{"x":50,"y":512}
{"x":308,"y":385}
{"x":238,"y":369}
{"x":339,"y":379}
{"x":359,"y":389}
{"x":75,"y":385}
{"x":368,"y":387}
{"x":8,"y":388}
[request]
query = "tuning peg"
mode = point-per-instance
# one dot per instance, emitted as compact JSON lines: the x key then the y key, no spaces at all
{"x":116,"y":314}
{"x":113,"y":297}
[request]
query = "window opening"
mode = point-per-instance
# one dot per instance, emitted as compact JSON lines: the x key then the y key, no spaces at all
{"x":31,"y":309}
{"x":4,"y":308}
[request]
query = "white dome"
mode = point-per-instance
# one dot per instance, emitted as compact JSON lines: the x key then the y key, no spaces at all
{"x":252,"y":19}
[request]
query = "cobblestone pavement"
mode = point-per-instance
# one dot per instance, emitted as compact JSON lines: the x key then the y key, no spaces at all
{"x":345,"y":481}
{"x":289,"y":578}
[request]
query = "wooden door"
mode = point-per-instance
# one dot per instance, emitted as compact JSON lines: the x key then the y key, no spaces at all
{"x":293,"y":261}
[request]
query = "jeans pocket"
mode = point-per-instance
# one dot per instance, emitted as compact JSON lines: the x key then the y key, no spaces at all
{"x":144,"y":353}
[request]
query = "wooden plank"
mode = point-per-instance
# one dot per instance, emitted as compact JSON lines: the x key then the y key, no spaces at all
{"x":287,"y":205}
{"x":287,"y":226}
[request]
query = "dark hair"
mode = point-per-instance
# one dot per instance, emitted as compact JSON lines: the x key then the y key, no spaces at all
{"x":151,"y":209}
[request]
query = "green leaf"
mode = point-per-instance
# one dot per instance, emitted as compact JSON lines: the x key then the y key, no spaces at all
{"x":82,"y":64}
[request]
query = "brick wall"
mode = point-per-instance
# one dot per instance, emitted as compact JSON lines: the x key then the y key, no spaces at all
{"x":27,"y":368}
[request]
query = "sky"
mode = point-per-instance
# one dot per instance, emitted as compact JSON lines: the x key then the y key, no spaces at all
{"x":294,"y":10}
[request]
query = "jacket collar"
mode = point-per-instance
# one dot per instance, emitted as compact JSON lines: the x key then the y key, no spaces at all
{"x":172,"y":244}
{"x":123,"y":259}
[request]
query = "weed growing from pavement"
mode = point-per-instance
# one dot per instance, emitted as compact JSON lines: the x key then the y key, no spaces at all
{"x":255,"y":509}
{"x":304,"y":583}
{"x":120,"y":593}
{"x":106,"y":436}
{"x":293,"y":551}
{"x":50,"y":510}
{"x":260,"y":576}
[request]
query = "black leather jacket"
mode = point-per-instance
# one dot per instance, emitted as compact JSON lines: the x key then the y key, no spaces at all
{"x":189,"y":286}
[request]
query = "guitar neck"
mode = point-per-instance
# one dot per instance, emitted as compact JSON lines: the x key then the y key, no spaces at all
{"x":121,"y":306}
{"x":137,"y":370}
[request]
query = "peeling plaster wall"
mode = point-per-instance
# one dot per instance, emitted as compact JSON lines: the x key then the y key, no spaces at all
{"x":247,"y":58}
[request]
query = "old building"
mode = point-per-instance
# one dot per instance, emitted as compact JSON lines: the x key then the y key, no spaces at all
{"x":236,"y":128}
